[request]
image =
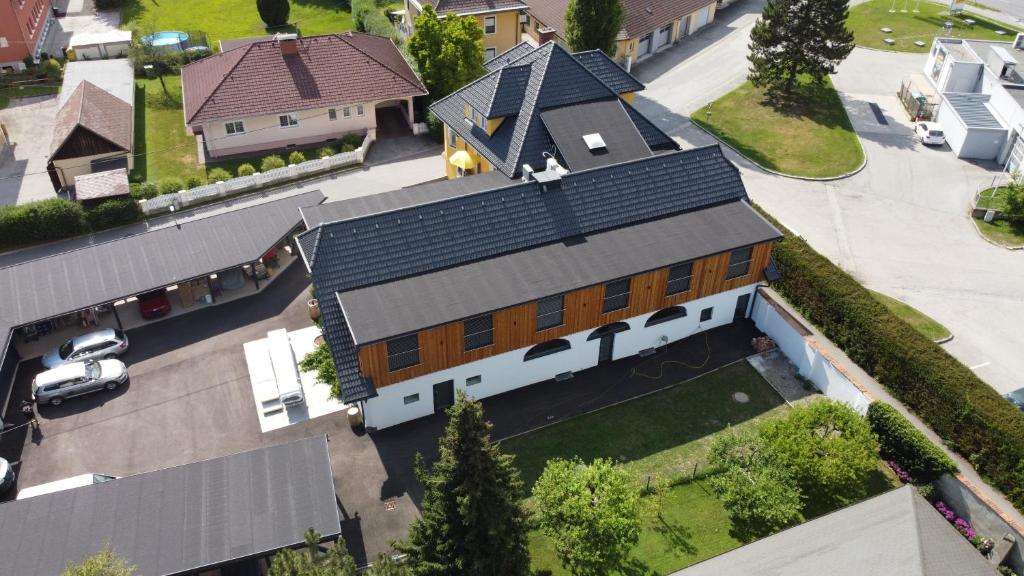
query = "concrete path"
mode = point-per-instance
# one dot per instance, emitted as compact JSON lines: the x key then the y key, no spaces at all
{"x":29,"y":123}
{"x":900,"y":226}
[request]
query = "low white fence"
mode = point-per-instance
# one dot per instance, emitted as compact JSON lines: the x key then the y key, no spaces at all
{"x":217,"y":190}
{"x":797,"y":342}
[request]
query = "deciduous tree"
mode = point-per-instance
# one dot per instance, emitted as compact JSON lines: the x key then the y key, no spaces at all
{"x":103,"y":563}
{"x":590,"y":512}
{"x":449,"y":51}
{"x":593,"y":24}
{"x":472,"y":522}
{"x":336,"y":561}
{"x":828,"y":447}
{"x":795,"y":37}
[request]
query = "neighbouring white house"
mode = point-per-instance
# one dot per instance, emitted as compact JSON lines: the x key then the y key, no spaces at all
{"x":95,"y":125}
{"x":981,"y":89}
{"x":288,"y":92}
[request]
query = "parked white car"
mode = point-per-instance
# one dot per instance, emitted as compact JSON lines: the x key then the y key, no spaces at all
{"x":930,"y":133}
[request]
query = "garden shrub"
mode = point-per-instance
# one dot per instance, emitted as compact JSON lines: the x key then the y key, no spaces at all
{"x":170,"y":185}
{"x":51,"y":67}
{"x":113,"y":213}
{"x":909,"y":447}
{"x":246,"y":169}
{"x":40,"y":221}
{"x":435,"y":128}
{"x":325,"y":152}
{"x":353,"y":138}
{"x":271,"y":162}
{"x":971,"y":417}
{"x":218,"y":175}
{"x":370,"y":18}
{"x":348,"y":148}
{"x":144,"y":190}
{"x":296,"y":157}
{"x":193,"y":181}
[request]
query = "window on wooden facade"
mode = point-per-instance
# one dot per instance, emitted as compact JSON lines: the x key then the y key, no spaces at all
{"x":546,"y":349}
{"x":616,"y":295}
{"x":403,"y":352}
{"x":739,"y":262}
{"x":706,"y":314}
{"x":665,"y":315}
{"x":478,"y":332}
{"x":550,"y":312}
{"x":679,"y":277}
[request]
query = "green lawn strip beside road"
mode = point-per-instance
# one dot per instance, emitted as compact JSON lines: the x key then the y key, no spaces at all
{"x":227,"y":19}
{"x":867,"y":20}
{"x":811,"y":137}
{"x":26,"y":91}
{"x":664,"y":436}
{"x":163,"y":149}
{"x":923,"y":324}
{"x":1001,"y":232}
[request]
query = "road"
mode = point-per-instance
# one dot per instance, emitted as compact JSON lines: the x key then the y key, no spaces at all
{"x":900,"y":226}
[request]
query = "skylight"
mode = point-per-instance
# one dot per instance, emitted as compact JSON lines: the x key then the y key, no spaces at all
{"x":594,"y":141}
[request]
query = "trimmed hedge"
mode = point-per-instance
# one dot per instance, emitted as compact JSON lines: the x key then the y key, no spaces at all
{"x":971,"y":417}
{"x":113,"y":213}
{"x":906,"y":445}
{"x":40,"y":221}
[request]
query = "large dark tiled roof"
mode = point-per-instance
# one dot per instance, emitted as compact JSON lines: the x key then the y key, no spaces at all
{"x":421,"y":238}
{"x":544,"y":78}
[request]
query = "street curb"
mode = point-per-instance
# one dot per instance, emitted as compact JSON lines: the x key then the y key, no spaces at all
{"x":793,"y":176}
{"x":991,"y":241}
{"x":943,"y":340}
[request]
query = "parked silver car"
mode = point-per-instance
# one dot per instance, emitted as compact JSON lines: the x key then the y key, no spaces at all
{"x":107,"y":343}
{"x":70,"y":380}
{"x":6,"y":476}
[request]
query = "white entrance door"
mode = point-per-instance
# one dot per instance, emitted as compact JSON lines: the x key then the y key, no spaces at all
{"x":663,"y":36}
{"x":702,"y":18}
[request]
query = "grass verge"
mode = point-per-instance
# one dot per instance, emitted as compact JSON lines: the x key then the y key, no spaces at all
{"x":925,"y":325}
{"x":163,"y":148}
{"x":1002,"y":232}
{"x":25,"y":91}
{"x":866,"y":21}
{"x":811,"y":136}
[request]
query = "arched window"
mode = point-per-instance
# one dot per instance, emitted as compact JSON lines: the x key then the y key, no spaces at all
{"x":613,"y":328}
{"x":545,"y":348}
{"x":665,"y":315}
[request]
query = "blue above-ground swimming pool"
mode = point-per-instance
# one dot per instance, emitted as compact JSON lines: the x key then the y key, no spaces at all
{"x":168,"y":39}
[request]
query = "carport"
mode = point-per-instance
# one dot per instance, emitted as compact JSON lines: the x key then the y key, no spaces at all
{"x":86,"y":274}
{"x":972,"y":131}
{"x":230,"y":513}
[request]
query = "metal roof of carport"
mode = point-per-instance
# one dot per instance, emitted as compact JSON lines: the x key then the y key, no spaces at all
{"x":973,"y":111}
{"x":179,"y":520}
{"x":64,"y":282}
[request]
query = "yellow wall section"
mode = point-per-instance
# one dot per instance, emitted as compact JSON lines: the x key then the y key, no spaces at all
{"x":451,"y":172}
{"x":506,"y":34}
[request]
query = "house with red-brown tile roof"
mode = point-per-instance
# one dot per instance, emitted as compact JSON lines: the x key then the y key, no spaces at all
{"x":647,"y":27}
{"x":287,"y":92}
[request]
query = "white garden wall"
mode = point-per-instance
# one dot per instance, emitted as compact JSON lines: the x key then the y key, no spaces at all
{"x":508,"y":371}
{"x":798,"y":344}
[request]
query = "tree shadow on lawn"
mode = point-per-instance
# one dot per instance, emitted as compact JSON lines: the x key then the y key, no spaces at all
{"x":679,"y":537}
{"x":818,"y":102}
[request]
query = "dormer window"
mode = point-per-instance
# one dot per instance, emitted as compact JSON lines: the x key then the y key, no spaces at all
{"x":477,"y":118}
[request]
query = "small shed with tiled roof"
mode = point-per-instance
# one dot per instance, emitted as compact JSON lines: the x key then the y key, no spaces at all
{"x":93,"y":132}
{"x":98,"y":187}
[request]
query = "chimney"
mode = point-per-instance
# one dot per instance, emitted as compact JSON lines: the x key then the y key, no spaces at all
{"x":288,"y":42}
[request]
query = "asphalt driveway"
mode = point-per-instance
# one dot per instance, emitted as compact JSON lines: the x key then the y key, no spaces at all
{"x":900,"y":226}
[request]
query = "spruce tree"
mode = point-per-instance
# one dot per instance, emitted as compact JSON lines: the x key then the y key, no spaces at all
{"x":593,"y":25}
{"x":472,"y":522}
{"x":795,"y":37}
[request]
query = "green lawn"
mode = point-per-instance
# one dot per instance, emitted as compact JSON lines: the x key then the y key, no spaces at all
{"x":866,"y":21}
{"x":992,"y":198}
{"x":226,"y":19}
{"x":664,"y":435}
{"x":812,"y":136}
{"x":1002,"y":232}
{"x":926,"y":326}
{"x":26,"y":91}
{"x":164,"y":149}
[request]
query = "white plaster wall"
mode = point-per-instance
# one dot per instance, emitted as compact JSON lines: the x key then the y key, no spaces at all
{"x":963,"y":77}
{"x":810,"y":363}
{"x":952,"y":126}
{"x":68,"y":168}
{"x":508,"y":371}
{"x":265,"y":132}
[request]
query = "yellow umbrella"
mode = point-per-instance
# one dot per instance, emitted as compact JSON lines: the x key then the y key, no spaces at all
{"x":461,"y":159}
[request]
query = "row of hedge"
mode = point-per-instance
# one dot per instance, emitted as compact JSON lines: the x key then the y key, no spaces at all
{"x":56,"y":218}
{"x":971,"y":417}
{"x":900,"y":441}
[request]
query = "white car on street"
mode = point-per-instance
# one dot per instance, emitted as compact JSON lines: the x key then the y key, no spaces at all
{"x":930,"y":133}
